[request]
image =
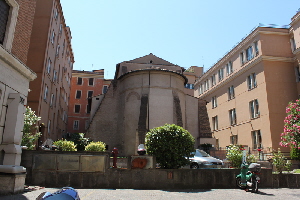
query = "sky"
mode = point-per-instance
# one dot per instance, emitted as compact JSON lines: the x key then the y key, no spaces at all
{"x":183,"y":32}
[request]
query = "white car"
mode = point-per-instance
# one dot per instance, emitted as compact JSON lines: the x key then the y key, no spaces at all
{"x":202,"y":159}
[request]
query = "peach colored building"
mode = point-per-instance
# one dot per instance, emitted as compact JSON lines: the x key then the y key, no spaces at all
{"x":51,"y":57}
{"x":248,"y":89}
{"x":84,"y":85}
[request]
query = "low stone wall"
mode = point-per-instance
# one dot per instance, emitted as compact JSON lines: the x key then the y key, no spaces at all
{"x":149,"y":178}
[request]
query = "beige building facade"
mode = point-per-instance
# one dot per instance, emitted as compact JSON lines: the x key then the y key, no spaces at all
{"x":248,"y":89}
{"x":147,"y":92}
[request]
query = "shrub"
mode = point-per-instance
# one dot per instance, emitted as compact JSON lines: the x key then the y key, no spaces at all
{"x":170,"y":144}
{"x":280,"y":162}
{"x":235,"y":156}
{"x":30,"y":131}
{"x":64,"y":145}
{"x":95,"y":146}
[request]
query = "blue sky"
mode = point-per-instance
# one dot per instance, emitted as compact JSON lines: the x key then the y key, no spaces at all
{"x":183,"y":32}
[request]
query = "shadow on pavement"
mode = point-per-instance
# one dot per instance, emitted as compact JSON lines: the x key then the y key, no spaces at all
{"x":189,"y":190}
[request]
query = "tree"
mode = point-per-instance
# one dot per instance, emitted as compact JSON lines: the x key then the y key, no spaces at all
{"x":30,"y":130}
{"x":170,"y":144}
{"x":291,"y":130}
{"x":80,"y":141}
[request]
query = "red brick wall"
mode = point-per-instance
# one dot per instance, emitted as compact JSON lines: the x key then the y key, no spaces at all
{"x":23,"y":29}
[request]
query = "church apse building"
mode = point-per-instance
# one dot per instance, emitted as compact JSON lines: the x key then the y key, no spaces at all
{"x":146,"y":92}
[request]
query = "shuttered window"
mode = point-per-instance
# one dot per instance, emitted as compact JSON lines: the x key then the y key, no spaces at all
{"x":4,"y":12}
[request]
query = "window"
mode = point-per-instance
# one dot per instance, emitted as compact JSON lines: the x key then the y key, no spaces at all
{"x":77,"y":108}
{"x":297,"y":71}
{"x":104,"y":89}
{"x":232,"y":116}
{"x":231,"y":93}
{"x":215,"y":123}
{"x":213,"y":79}
{"x":229,"y":69}
{"x":78,"y":94}
{"x":79,"y":81}
{"x":206,"y":85}
{"x":52,"y":38}
{"x":55,"y":13}
{"x":201,"y":89}
{"x":54,"y":75}
{"x":88,"y":109}
{"x":60,"y":28}
{"x":4,"y":10}
{"x":256,"y":139}
{"x":251,"y":80}
{"x":214,"y":102}
{"x":256,"y":48}
{"x":63,"y":48}
{"x":90,"y":93}
{"x":189,"y":86}
{"x":49,"y":128}
{"x":249,"y":53}
{"x":234,"y":139}
{"x":49,"y":66}
{"x":91,"y":81}
{"x":51,"y":100}
{"x":57,"y":50}
{"x":254,"y":109}
{"x":293,"y":44}
{"x":242,"y":58}
{"x":87,"y":123}
{"x":46,"y":93}
{"x":76,"y":125}
{"x":221,"y":74}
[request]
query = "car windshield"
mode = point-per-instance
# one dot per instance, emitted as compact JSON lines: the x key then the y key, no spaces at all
{"x":201,"y":153}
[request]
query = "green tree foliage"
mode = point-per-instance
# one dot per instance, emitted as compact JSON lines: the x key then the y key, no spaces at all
{"x":30,"y":130}
{"x":80,"y":141}
{"x":170,"y":144}
{"x":95,"y":146}
{"x":65,"y":145}
{"x":235,"y":156}
{"x":295,"y":154}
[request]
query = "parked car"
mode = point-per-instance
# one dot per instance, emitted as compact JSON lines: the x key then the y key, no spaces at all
{"x":202,"y":159}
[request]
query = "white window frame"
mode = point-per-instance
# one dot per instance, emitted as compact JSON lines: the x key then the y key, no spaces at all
{"x":93,"y":82}
{"x":215,"y":123}
{"x":232,"y":117}
{"x":293,"y":44}
{"x":231,"y":94}
{"x":254,"y":109}
{"x":297,"y":72}
{"x":251,"y":81}
{"x":49,"y":66}
{"x":75,"y":108}
{"x":213,"y":80}
{"x":249,"y":53}
{"x":242,"y":57}
{"x":229,"y":68}
{"x":77,"y":92}
{"x":256,"y":139}
{"x":256,"y":49}
{"x":214,"y":103}
{"x":51,"y":100}
{"x":49,"y":126}
{"x":46,"y":93}
{"x":76,"y":125}
{"x":234,"y":139}
{"x":221,"y":74}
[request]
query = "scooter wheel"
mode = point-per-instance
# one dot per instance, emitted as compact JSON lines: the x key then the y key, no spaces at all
{"x":239,"y":183}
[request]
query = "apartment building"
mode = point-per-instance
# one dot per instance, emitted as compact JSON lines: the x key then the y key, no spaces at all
{"x":248,"y":89}
{"x":84,"y":85}
{"x":14,"y":83}
{"x":51,"y":58}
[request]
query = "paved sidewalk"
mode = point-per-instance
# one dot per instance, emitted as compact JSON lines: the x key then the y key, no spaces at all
{"x":129,"y":194}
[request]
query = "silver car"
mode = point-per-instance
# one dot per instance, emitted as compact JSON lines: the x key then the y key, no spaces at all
{"x":202,"y":159}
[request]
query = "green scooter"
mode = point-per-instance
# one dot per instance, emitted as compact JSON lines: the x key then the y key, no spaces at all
{"x":248,"y":178}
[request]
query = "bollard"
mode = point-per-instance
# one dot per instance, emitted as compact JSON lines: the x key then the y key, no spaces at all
{"x":115,"y":155}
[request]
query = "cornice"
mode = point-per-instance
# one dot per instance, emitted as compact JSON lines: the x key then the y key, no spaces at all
{"x":13,"y":62}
